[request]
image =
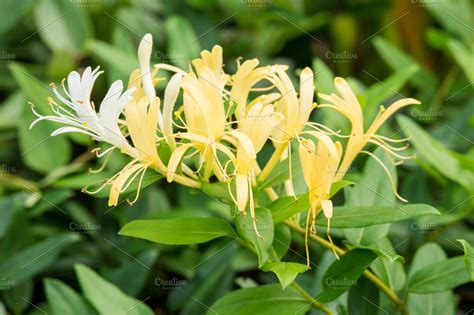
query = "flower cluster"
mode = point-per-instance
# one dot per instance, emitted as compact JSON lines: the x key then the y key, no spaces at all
{"x":215,"y":124}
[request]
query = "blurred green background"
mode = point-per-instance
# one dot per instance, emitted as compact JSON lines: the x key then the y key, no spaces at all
{"x":387,"y":49}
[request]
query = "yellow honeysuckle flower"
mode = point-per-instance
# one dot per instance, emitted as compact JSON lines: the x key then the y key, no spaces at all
{"x":348,"y":105}
{"x":244,"y":80}
{"x":143,"y":120}
{"x":296,"y":111}
{"x":257,"y":125}
{"x":320,"y":164}
{"x":204,"y":111}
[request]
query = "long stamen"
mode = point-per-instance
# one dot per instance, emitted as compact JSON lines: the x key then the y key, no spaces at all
{"x":252,"y":209}
{"x":390,"y":139}
{"x":391,"y":147}
{"x":392,"y":182}
{"x":390,"y":150}
{"x":139,"y":187}
{"x":101,"y":168}
{"x":132,"y":178}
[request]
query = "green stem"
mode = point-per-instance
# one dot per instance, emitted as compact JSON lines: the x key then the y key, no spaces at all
{"x":310,"y":299}
{"x":369,"y":275}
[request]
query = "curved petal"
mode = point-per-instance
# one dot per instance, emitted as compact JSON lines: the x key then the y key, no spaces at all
{"x":175,"y":159}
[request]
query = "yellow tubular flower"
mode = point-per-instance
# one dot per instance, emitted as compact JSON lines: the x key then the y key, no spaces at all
{"x":348,"y":105}
{"x":320,"y":164}
{"x":255,"y":128}
{"x":244,"y":80}
{"x":143,"y":120}
{"x":296,"y":112}
{"x":204,"y":111}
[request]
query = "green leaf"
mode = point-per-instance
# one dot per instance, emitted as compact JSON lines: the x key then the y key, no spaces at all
{"x":65,"y":301}
{"x":285,"y":207}
{"x":179,"y":231}
{"x":381,"y":91}
{"x":16,"y":298}
{"x":285,"y":271}
{"x":34,"y":90}
{"x":390,"y":254}
{"x":8,"y":206}
{"x":62,"y":25}
{"x":440,"y":303}
{"x":132,"y":275}
{"x":343,"y":273}
{"x":468,"y":258}
{"x":398,"y":59}
{"x":454,"y":16}
{"x":121,"y":62}
{"x":439,"y":157}
{"x":245,"y":228}
{"x":281,"y":172}
{"x":389,"y":268}
{"x":352,"y":217}
{"x":50,"y":200}
{"x":263,"y":300}
{"x":363,"y":298}
{"x":11,"y":110}
{"x":12,"y":10}
{"x":183,"y":44}
{"x":38,"y":148}
{"x":440,"y":276}
{"x":324,"y":80}
{"x":463,"y":57}
{"x":373,"y":189}
{"x":36,"y":258}
{"x":107,"y":298}
{"x":281,"y":242}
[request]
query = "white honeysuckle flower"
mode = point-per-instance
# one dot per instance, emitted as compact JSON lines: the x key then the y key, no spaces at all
{"x":78,"y":112}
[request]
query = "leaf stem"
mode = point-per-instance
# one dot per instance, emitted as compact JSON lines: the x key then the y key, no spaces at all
{"x":310,"y":299}
{"x":369,"y":275}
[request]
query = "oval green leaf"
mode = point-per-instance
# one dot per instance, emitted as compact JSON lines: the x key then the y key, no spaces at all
{"x":264,"y":300}
{"x":178,"y":231}
{"x":343,"y":273}
{"x":440,"y":276}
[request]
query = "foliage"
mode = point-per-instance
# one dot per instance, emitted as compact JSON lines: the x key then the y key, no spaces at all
{"x":183,"y":251}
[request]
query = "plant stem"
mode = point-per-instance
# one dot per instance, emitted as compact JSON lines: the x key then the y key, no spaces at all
{"x":369,"y":275}
{"x":310,"y":299}
{"x":272,"y":162}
